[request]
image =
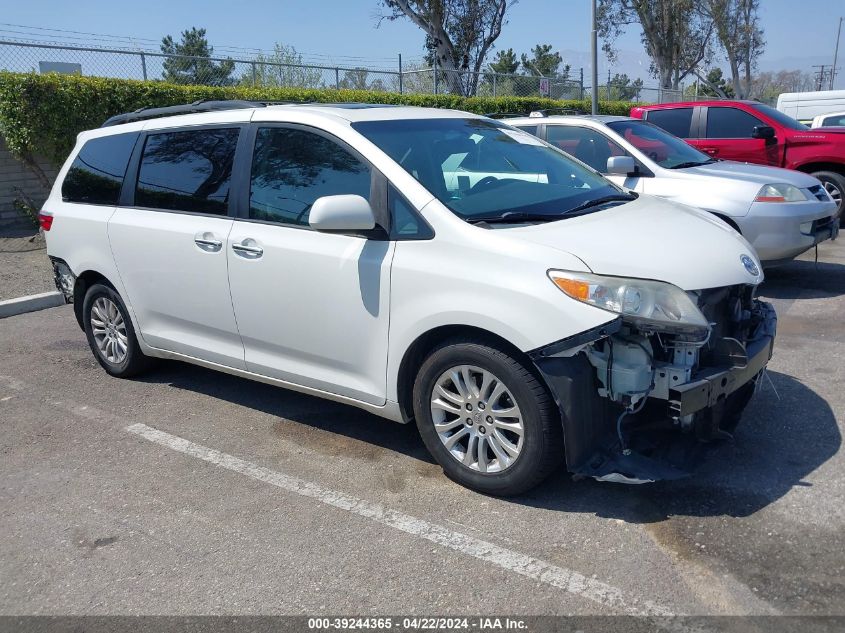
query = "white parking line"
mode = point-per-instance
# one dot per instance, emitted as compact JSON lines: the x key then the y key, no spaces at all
{"x":559,"y":577}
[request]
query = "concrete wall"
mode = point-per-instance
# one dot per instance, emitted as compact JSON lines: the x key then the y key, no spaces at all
{"x":14,"y":173}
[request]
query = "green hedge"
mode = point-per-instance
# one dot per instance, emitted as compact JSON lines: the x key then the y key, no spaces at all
{"x":42,"y":114}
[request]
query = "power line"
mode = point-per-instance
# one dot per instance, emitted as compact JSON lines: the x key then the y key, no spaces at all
{"x":65,"y":35}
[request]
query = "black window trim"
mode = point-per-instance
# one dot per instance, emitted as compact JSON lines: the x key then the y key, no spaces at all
{"x":126,"y":173}
{"x":379,"y":185}
{"x":127,"y":193}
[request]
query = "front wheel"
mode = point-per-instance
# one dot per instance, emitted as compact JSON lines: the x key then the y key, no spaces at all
{"x":486,"y":418}
{"x":834,"y":184}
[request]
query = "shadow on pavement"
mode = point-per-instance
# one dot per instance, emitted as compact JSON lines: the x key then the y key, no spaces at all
{"x":317,"y":413}
{"x":778,"y":443}
{"x":800,"y":279}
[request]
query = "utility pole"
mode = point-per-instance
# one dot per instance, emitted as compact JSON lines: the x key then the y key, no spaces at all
{"x":820,"y":75}
{"x":835,"y":54}
{"x":595,"y":56}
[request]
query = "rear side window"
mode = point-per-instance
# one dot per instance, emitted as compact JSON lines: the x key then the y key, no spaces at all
{"x":730,"y":123}
{"x":291,"y":168}
{"x":837,"y":120}
{"x":531,"y":129}
{"x":187,"y":171}
{"x":96,"y":174}
{"x":676,"y":121}
{"x":585,"y":144}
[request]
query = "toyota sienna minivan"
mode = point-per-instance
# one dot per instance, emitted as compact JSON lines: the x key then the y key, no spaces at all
{"x":429,"y":266}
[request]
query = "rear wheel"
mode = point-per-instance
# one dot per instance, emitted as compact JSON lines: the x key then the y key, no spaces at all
{"x":834,"y":184}
{"x":486,"y":419}
{"x":110,"y":333}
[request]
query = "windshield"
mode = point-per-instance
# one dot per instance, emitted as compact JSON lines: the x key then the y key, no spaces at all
{"x":664,"y":149}
{"x":483,"y":169}
{"x":776,"y":115}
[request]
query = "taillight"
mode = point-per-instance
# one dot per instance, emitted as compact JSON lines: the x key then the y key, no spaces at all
{"x":45,"y":221}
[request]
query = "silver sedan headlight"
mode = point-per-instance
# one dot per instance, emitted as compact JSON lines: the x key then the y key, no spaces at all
{"x":781,"y":192}
{"x":650,"y":305}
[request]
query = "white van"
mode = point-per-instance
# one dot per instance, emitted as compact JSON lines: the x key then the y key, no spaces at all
{"x":524,"y":313}
{"x":805,"y":106}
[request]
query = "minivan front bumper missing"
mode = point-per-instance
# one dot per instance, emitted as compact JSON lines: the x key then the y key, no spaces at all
{"x":664,"y":438}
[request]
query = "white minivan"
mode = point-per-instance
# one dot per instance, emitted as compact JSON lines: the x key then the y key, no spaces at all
{"x":425,"y":265}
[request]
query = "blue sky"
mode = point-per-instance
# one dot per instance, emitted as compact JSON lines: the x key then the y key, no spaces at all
{"x":344,"y":31}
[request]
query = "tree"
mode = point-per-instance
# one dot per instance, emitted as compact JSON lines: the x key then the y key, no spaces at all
{"x":283,"y":67}
{"x":544,"y":62}
{"x":767,"y":86}
{"x":711,"y":85}
{"x":191,"y":63}
{"x":459,"y":33}
{"x":355,"y":79}
{"x":738,"y":29}
{"x":505,"y":62}
{"x":676,"y":33}
{"x":621,"y":88}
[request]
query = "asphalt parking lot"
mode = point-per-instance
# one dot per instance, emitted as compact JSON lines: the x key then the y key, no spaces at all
{"x":191,"y":492}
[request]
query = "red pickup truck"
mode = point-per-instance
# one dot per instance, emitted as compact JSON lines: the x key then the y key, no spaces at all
{"x":753,"y":132}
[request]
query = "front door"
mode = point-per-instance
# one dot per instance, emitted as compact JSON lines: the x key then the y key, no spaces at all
{"x":170,"y":244}
{"x":727,"y":134}
{"x":312,"y":308}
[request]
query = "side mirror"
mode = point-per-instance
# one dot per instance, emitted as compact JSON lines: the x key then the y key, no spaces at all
{"x":621,"y":166}
{"x":341,"y":213}
{"x":763,"y":131}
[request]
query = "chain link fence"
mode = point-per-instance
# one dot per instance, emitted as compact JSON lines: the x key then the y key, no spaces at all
{"x":149,"y":65}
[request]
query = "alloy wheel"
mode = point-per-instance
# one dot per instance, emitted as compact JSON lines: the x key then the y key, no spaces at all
{"x":477,"y":419}
{"x":109,"y":330}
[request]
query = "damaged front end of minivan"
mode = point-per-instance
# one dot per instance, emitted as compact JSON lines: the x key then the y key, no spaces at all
{"x":641,"y":396}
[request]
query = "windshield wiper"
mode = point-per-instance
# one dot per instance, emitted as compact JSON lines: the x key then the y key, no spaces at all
{"x":693,"y":163}
{"x":589,"y":204}
{"x":513,"y":217}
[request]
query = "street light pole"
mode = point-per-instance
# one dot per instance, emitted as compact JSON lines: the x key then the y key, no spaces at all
{"x":594,"y":52}
{"x":835,"y":54}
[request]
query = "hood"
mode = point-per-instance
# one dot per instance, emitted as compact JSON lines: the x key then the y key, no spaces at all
{"x":758,"y":174}
{"x":651,"y":238}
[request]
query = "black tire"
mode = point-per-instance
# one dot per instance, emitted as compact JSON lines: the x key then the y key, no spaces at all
{"x":832,"y":179}
{"x":133,"y":362}
{"x":542,"y":444}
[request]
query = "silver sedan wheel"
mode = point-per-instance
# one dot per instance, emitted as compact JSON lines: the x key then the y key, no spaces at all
{"x":109,"y":330}
{"x":834,"y":191}
{"x":477,"y":419}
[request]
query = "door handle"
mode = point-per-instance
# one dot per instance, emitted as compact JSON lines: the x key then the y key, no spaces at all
{"x":711,"y":150}
{"x":247,"y":249}
{"x":207,"y":242}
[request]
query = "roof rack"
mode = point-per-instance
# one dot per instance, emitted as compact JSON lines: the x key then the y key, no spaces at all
{"x":548,"y":111}
{"x":142,"y":114}
{"x":502,"y":115}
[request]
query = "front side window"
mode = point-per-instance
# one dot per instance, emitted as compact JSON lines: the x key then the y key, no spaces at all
{"x":484,"y":170}
{"x":187,"y":171}
{"x":730,"y":123}
{"x":96,"y":174}
{"x":586,"y":145}
{"x":676,"y":121}
{"x":779,"y":117}
{"x":664,"y":149}
{"x":291,"y":168}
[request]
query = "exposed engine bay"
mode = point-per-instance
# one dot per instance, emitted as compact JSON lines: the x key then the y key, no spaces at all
{"x":654,"y":397}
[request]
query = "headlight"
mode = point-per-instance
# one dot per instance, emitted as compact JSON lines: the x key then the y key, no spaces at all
{"x":654,"y":305}
{"x":780,"y":192}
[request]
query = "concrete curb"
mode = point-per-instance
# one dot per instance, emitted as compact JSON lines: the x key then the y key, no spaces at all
{"x":31,"y":303}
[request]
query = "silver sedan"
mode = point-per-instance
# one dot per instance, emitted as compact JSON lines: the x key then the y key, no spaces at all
{"x":781,"y":212}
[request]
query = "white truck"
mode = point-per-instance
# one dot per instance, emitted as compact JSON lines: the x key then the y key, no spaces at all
{"x":805,"y":106}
